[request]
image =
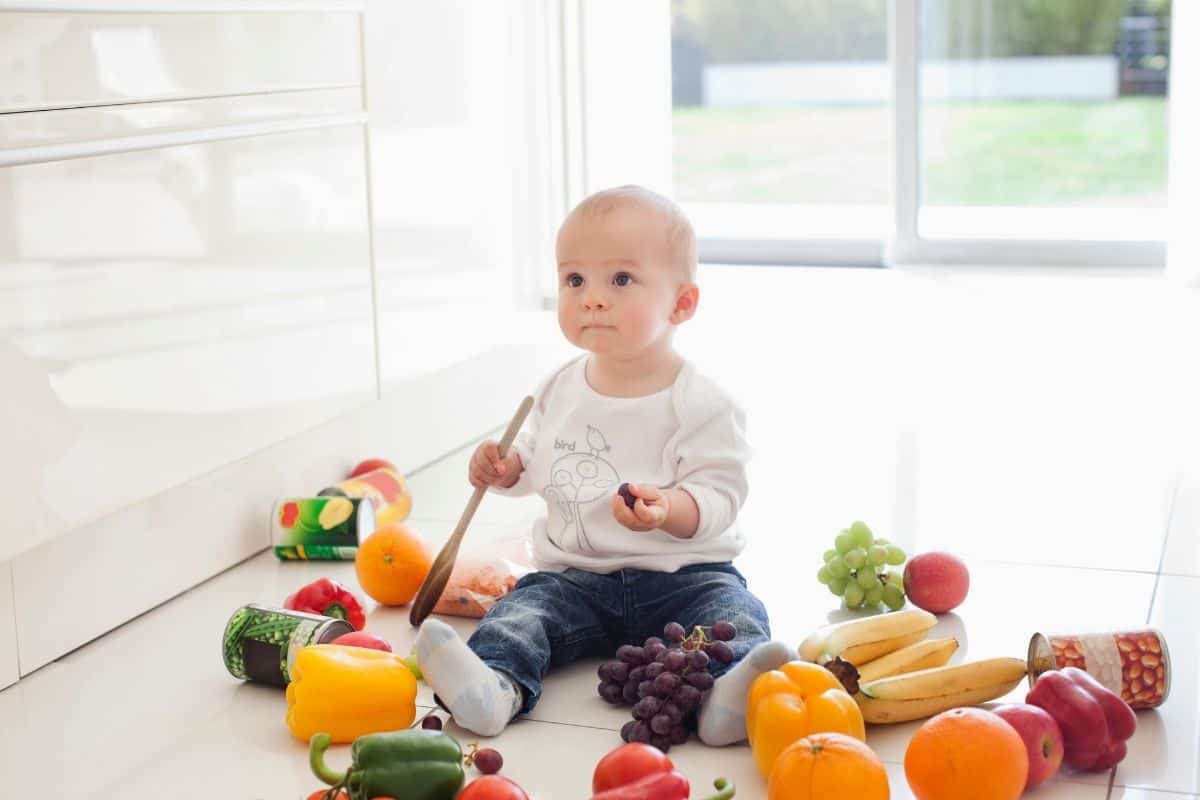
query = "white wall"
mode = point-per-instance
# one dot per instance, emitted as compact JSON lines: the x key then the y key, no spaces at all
{"x":197,"y":314}
{"x":1183,"y":246}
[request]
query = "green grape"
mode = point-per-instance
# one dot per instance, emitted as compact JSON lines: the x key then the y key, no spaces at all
{"x":838,"y":586}
{"x":838,"y":569}
{"x":855,"y":595}
{"x":823,"y":575}
{"x":874,"y":596}
{"x":833,"y":588}
{"x":877,"y":555}
{"x":895,"y":579}
{"x":862,"y":534}
{"x":867,"y":579}
{"x":830,"y":555}
{"x":895,"y":556}
{"x":844,"y":543}
{"x":893,"y":596}
{"x":884,"y":542}
{"x":856,"y":558}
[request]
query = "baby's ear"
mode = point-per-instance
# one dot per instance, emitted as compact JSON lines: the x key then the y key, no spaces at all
{"x":685,"y":303}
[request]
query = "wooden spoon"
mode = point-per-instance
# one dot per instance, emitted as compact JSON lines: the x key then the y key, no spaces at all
{"x":439,"y":574}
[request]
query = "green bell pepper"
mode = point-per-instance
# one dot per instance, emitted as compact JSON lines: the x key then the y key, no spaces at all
{"x":413,"y":764}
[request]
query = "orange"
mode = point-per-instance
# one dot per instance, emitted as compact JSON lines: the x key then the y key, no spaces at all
{"x":828,"y":766}
{"x":391,"y":564}
{"x":966,"y":752}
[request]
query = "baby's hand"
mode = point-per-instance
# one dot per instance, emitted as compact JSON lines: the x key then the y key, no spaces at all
{"x":487,"y":468}
{"x":648,"y":513}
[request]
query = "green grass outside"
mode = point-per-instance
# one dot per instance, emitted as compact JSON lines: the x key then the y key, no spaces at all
{"x":997,"y":153}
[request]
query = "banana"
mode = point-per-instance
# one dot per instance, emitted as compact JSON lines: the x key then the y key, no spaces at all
{"x":948,"y":680}
{"x":862,"y":640}
{"x":885,"y":712}
{"x":922,"y":655}
{"x":872,"y":651}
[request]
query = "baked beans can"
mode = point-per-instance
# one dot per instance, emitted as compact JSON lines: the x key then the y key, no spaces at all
{"x":260,"y":642}
{"x":1134,"y":664}
{"x":321,"y":528}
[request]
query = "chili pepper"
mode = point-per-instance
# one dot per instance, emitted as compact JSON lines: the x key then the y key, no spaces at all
{"x":348,"y":692}
{"x":414,"y":764}
{"x":787,"y":704}
{"x":636,"y":771}
{"x":1095,"y":722}
{"x":328,"y":598}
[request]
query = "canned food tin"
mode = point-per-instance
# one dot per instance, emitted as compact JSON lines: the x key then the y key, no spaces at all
{"x":384,"y":486}
{"x":1132,"y":664}
{"x":321,"y":528}
{"x":260,"y":643}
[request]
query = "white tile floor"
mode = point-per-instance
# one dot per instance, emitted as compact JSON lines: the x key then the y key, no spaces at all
{"x":1043,"y":428}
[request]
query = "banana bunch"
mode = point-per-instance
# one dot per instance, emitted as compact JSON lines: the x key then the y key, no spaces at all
{"x":900,"y":674}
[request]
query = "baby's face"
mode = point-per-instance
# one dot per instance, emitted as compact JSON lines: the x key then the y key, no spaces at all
{"x":617,"y":284}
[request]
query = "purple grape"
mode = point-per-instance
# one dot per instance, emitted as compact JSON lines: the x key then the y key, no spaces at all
{"x":488,"y":761}
{"x":613,"y":693}
{"x":675,"y":661}
{"x":663,"y":743}
{"x":721,"y":652}
{"x":661,"y":724}
{"x":629,"y":693}
{"x":678,"y":734}
{"x":697,"y":659}
{"x":724,"y":631}
{"x":645,"y":688}
{"x":626,"y":495}
{"x":602,"y":672}
{"x":652,"y":641}
{"x":674,"y":632}
{"x":701,"y":680}
{"x":673,"y":711}
{"x":687,"y":697}
{"x":618,"y":672}
{"x":431,"y":723}
{"x":637,"y":675}
{"x":631,"y":654}
{"x":640,"y":732}
{"x":662,"y":657}
{"x":627,"y":729}
{"x":666,"y":683}
{"x":654,"y":670}
{"x":647,"y":707}
{"x":653,"y":651}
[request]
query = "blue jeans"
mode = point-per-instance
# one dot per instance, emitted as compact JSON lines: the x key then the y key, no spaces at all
{"x":554,"y":618}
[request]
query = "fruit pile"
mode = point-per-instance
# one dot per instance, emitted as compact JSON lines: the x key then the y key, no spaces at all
{"x":665,"y":680}
{"x":855,"y":569}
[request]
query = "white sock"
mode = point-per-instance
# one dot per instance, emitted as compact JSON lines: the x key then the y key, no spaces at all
{"x":480,"y":699}
{"x":723,"y":713}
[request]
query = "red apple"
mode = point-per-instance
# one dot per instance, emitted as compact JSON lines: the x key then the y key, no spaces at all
{"x":1042,"y":736}
{"x":363,"y":639}
{"x":936,"y":582}
{"x":371,"y":464}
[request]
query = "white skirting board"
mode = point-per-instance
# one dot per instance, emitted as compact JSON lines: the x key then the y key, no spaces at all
{"x":82,"y":585}
{"x":8,"y":629}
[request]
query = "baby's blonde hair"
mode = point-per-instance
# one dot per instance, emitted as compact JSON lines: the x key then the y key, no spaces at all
{"x":680,"y":236}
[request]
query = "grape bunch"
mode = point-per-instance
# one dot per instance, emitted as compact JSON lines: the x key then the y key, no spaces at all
{"x":855,"y":569}
{"x":664,"y":680}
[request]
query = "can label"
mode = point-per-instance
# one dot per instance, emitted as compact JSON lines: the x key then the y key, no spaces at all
{"x":321,"y":528}
{"x":1134,"y":665}
{"x":260,"y":643}
{"x":385,"y":487}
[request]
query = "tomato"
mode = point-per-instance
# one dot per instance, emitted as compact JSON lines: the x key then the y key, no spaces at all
{"x":627,"y":764}
{"x":372,"y":464}
{"x":322,"y":794}
{"x":492,"y":787}
{"x":363,"y":639}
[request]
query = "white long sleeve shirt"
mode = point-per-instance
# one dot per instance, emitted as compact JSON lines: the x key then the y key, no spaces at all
{"x":579,"y":446}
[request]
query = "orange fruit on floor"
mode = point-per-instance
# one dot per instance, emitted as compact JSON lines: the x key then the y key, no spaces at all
{"x":391,"y":564}
{"x":828,"y":766}
{"x":966,"y":752}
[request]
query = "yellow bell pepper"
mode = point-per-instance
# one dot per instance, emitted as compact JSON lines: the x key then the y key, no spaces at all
{"x":348,"y":692}
{"x":789,"y":703}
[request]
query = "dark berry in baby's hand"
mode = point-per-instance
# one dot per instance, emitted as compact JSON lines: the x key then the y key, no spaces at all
{"x":626,"y":495}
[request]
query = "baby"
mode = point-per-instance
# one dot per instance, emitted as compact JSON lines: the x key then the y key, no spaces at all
{"x":630,"y":411}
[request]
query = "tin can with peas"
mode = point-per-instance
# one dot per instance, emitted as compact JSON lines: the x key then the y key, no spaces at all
{"x":1135,"y":664}
{"x":260,"y":642}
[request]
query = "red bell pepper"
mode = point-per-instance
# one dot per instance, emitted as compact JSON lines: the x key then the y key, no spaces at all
{"x":636,"y":771}
{"x":329,"y":599}
{"x":1095,"y":722}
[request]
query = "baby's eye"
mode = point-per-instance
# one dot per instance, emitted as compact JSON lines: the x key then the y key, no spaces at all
{"x":622,"y":279}
{"x":574,"y":280}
